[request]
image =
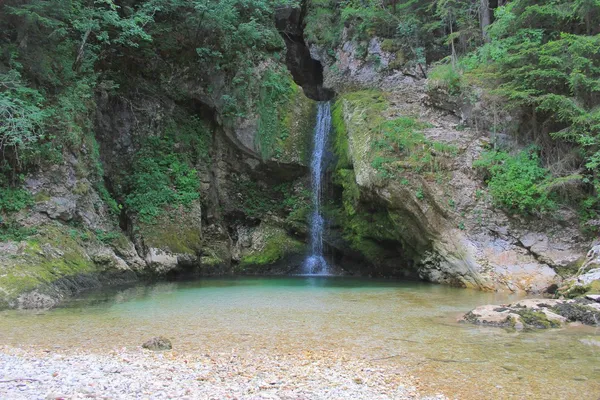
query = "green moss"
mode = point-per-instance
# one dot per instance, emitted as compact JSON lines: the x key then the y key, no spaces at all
{"x":41,"y":197}
{"x":575,"y":291}
{"x":276,"y":92}
{"x":297,"y":114}
{"x":399,"y":61}
{"x":340,"y":136}
{"x":364,"y":228}
{"x":53,"y":253}
{"x":390,"y":45}
{"x":277,"y":245}
{"x":174,"y":233}
{"x":536,"y":319}
{"x":81,"y":188}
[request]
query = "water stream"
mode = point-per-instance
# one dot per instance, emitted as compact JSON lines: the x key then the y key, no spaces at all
{"x":406,"y":325}
{"x":315,"y":263}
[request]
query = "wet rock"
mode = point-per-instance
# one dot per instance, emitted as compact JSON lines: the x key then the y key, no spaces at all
{"x":579,"y":310}
{"x":535,"y":314}
{"x":593,"y":297}
{"x":158,"y":343}
{"x":161,"y":261}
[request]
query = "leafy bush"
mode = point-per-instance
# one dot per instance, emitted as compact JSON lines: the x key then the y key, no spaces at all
{"x":12,"y":200}
{"x":161,"y":177}
{"x":445,"y":76}
{"x":516,"y":181}
{"x":107,"y":237}
{"x":13,"y":231}
{"x":275,"y":92}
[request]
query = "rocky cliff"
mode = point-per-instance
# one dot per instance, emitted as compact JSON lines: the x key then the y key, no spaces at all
{"x":188,"y":169}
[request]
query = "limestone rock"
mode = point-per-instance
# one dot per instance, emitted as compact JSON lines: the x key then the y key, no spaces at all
{"x":62,"y":208}
{"x":449,"y":230}
{"x":161,"y":261}
{"x":535,"y":314}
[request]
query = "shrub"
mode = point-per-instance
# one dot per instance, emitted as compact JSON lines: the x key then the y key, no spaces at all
{"x":12,"y":200}
{"x":446,"y":77}
{"x":516,"y":181}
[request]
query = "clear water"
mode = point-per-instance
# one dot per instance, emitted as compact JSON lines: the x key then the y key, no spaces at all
{"x":315,"y":263}
{"x":405,"y":324}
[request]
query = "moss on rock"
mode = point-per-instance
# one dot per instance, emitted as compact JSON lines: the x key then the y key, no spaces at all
{"x":53,"y":253}
{"x":536,"y":319}
{"x":271,"y":244}
{"x":177,"y":232}
{"x":297,"y":124}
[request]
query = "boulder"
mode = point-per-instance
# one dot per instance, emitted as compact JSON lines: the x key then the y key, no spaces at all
{"x":159,"y":343}
{"x":535,"y":314}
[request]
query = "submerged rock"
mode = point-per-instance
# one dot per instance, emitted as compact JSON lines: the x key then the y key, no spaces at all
{"x":535,"y":314}
{"x":158,"y":343}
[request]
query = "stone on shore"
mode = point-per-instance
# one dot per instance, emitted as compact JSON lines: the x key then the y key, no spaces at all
{"x":159,"y":343}
{"x":535,"y":314}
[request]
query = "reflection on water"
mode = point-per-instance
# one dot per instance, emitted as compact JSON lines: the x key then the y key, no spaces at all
{"x":405,"y":323}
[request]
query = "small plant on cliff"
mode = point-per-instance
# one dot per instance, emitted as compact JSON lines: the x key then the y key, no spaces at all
{"x":12,"y":200}
{"x":275,"y":92}
{"x":517,"y":182}
{"x":162,"y":177}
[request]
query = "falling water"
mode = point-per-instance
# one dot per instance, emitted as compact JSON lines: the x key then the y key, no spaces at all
{"x":315,"y":263}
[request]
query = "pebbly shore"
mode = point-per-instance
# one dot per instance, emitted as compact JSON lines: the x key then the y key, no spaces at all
{"x":34,"y":373}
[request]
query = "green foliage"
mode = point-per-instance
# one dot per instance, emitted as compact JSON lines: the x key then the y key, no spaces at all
{"x":516,"y":182}
{"x":401,"y":145}
{"x":277,"y":246}
{"x":275,"y":93}
{"x":419,"y":194}
{"x":22,"y":118}
{"x":12,"y":199}
{"x":162,"y":176}
{"x":410,"y":28}
{"x":113,"y":206}
{"x":256,"y":200}
{"x":544,"y":59}
{"x":10,"y":230}
{"x":447,"y":77}
{"x":107,"y":237}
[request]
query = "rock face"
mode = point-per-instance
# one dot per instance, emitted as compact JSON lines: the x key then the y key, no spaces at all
{"x":87,"y":233}
{"x":535,"y":314}
{"x":75,"y":244}
{"x":306,"y":69}
{"x":438,"y":212}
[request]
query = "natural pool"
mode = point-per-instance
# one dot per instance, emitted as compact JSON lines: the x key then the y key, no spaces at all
{"x":409,"y":324}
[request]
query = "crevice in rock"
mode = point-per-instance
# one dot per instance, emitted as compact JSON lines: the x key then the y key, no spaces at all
{"x":306,"y":71}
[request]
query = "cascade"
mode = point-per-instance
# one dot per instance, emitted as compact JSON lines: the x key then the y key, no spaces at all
{"x":315,"y":263}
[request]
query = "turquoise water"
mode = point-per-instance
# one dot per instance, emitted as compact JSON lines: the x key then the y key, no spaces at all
{"x":410,"y":324}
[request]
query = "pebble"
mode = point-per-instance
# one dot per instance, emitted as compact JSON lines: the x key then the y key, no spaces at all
{"x":138,"y":373}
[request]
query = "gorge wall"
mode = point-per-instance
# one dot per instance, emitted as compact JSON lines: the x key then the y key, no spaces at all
{"x":200,"y":167}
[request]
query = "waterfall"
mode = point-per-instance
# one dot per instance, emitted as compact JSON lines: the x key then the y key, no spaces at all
{"x":315,"y":263}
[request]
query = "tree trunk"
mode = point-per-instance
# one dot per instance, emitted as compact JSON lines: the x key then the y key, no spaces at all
{"x":485,"y":18}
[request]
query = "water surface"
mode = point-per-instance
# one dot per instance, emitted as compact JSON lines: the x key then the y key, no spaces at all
{"x":409,"y":324}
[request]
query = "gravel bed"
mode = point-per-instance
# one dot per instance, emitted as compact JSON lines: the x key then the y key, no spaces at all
{"x":142,"y":374}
